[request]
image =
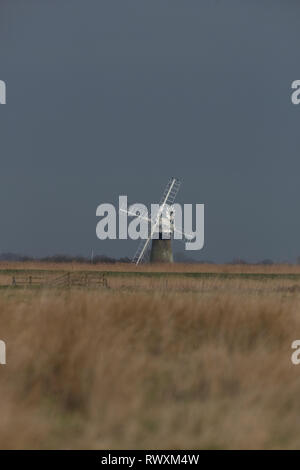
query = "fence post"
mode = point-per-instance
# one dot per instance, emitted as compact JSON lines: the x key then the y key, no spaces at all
{"x":104,"y":281}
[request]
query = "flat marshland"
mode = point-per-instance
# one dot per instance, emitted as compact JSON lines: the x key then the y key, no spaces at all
{"x":163,"y":357}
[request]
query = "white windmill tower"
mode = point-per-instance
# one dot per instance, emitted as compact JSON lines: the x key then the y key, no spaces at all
{"x":162,"y":229}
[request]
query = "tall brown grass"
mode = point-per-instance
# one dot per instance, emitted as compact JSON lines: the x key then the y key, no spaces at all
{"x":113,"y":369}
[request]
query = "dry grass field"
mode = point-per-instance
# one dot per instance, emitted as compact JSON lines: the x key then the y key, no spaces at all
{"x":167,"y":357}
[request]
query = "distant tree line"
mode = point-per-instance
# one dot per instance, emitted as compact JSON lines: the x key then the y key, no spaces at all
{"x":97,"y":259}
{"x":61,"y":258}
{"x":267,"y":262}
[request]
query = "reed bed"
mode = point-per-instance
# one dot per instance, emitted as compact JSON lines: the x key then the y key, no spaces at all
{"x":151,"y":367}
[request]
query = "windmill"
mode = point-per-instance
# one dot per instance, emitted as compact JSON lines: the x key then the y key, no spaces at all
{"x":163,"y":225}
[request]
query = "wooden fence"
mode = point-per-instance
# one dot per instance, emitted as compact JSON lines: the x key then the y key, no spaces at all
{"x":70,"y":279}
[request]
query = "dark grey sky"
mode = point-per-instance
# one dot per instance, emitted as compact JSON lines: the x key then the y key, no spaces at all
{"x":109,"y":97}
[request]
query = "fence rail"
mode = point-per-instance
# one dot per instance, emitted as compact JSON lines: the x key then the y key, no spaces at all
{"x":70,"y":279}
